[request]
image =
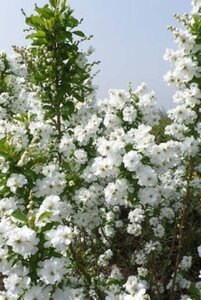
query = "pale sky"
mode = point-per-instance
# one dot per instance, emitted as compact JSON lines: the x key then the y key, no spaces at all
{"x":130,"y":38}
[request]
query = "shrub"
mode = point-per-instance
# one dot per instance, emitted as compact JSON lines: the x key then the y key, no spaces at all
{"x":92,"y":205}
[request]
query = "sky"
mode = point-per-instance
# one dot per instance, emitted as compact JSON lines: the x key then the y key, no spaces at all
{"x":129,"y":38}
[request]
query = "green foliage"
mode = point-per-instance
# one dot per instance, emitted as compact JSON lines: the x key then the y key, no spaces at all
{"x":45,"y":215}
{"x":3,"y":73}
{"x":6,"y":150}
{"x":19,"y":215}
{"x":194,"y":292}
{"x":158,"y":130}
{"x":55,"y":62}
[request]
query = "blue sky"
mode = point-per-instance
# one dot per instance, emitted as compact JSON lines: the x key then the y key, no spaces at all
{"x":130,"y":38}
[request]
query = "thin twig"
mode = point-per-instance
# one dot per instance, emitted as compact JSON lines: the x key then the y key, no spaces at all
{"x":181,"y":226}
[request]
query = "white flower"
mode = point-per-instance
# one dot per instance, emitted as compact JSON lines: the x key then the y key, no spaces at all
{"x":185,"y":297}
{"x":2,"y":65}
{"x":182,"y":114}
{"x":53,"y":184}
{"x":103,"y":259}
{"x":53,"y":208}
{"x":196,"y":6}
{"x":131,"y":160}
{"x":7,"y":206}
{"x":42,"y":132}
{"x":136,"y":215}
{"x":199,"y":251}
{"x":59,"y":238}
{"x":103,"y":167}
{"x":142,"y":272}
{"x":134,"y":229}
{"x":15,"y":284}
{"x":4,"y":165}
{"x":4,"y":97}
{"x":151,"y":246}
{"x":171,"y":55}
{"x":146,"y":176}
{"x":140,"y":257}
{"x":111,"y":120}
{"x":185,"y":40}
{"x":16,"y":181}
{"x":37,"y":293}
{"x":109,"y":148}
{"x":159,"y":231}
{"x":190,"y":146}
{"x":118,"y":98}
{"x":5,"y":265}
{"x":68,"y":294}
{"x":116,"y":192}
{"x":6,"y":296}
{"x":135,"y":287}
{"x":6,"y":226}
{"x":149,"y":196}
{"x":109,"y":230}
{"x":186,"y":69}
{"x":141,"y":138}
{"x":50,"y":169}
{"x":52,"y":270}
{"x":66,"y":145}
{"x":84,"y":196}
{"x":116,"y":273}
{"x":129,"y":114}
{"x":81,"y":156}
{"x":23,"y":241}
{"x":167,"y":212}
{"x":81,"y":60}
{"x":141,"y":89}
{"x":185,"y":263}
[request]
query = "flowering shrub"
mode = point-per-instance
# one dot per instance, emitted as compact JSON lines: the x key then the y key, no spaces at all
{"x":92,"y":207}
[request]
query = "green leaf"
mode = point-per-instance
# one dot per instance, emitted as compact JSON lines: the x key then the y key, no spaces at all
{"x":79,"y":33}
{"x":35,"y":21}
{"x":39,"y":42}
{"x":54,"y":3}
{"x":63,"y":36}
{"x":79,"y":97}
{"x":6,"y":150}
{"x":4,"y":191}
{"x":68,"y":109}
{"x":44,"y":11}
{"x":3,"y":179}
{"x":37,"y":34}
{"x":49,"y":226}
{"x":194,"y":292}
{"x":72,"y":22}
{"x":18,"y":214}
{"x":45,"y":215}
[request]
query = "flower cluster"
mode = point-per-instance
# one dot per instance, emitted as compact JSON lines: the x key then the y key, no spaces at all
{"x":91,"y":206}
